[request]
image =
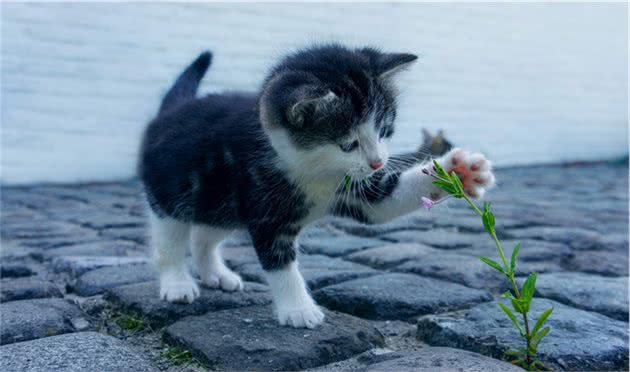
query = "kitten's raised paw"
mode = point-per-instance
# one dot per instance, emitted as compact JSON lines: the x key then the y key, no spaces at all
{"x":474,"y":170}
{"x":306,"y":317}
{"x":227,"y":281}
{"x":178,"y":288}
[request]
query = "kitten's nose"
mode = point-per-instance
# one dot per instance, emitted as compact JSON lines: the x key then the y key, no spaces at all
{"x":376,"y":164}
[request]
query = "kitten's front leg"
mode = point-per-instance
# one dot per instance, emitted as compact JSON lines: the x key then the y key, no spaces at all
{"x":294,"y":305}
{"x":412,"y":184}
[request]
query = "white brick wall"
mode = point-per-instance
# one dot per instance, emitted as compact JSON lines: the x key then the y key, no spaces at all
{"x":526,"y":83}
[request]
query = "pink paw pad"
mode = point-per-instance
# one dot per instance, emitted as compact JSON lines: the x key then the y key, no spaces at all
{"x":474,"y":170}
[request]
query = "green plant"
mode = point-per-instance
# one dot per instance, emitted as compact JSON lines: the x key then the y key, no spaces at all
{"x":177,"y":355}
{"x":520,"y":298}
{"x":130,"y":323}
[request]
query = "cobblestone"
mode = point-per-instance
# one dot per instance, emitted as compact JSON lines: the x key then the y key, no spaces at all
{"x":15,"y":270}
{"x":73,"y":352}
{"x":438,"y":238}
{"x":318,"y":271}
{"x":143,"y":299}
{"x":31,"y":319}
{"x":250,"y":339}
{"x":456,"y":268}
{"x":606,"y":263}
{"x":75,"y":258}
{"x":579,"y":340}
{"x":608,"y":296}
{"x":116,"y":248}
{"x":373,"y":297}
{"x":442,"y":358}
{"x":392,"y":255}
{"x":77,"y":265}
{"x":27,"y":288}
{"x":99,"y":280}
{"x":336,"y":245}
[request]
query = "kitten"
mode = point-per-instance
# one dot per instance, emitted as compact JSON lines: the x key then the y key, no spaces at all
{"x":312,"y":142}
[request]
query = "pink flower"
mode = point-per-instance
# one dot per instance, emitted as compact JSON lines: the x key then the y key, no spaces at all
{"x":427,"y":203}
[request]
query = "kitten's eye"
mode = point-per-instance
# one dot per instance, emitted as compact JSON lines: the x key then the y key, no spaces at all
{"x":349,"y":146}
{"x":382,"y":132}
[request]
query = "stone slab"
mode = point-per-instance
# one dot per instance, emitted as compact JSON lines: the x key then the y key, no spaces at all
{"x":98,"y":248}
{"x":27,"y":288}
{"x":431,"y":359}
{"x":99,"y":280}
{"x":457,"y":268}
{"x":251,"y":339}
{"x":391,"y":255}
{"x":438,"y":238}
{"x":575,"y":237}
{"x":608,"y":296}
{"x":77,"y":265}
{"x":144,"y":299}
{"x":579,"y":340}
{"x":15,"y":270}
{"x":606,"y":263}
{"x":139,"y":235}
{"x":30,"y":319}
{"x":73,"y":352}
{"x":318,"y":271}
{"x":534,"y":256}
{"x":336,"y":246}
{"x":397,"y":296}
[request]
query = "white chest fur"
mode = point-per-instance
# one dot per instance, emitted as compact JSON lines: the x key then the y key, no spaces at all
{"x":310,"y":170}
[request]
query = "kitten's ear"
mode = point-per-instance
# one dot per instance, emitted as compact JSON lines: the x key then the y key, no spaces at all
{"x":426,"y":135}
{"x":308,"y":103}
{"x":391,"y":63}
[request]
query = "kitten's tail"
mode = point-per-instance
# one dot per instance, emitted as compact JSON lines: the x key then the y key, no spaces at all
{"x":185,"y":88}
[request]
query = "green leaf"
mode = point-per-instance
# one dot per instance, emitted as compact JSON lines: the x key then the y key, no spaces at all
{"x":488,"y":221}
{"x":486,"y":206}
{"x":457,"y":183}
{"x":538,"y":366}
{"x":518,"y":306}
{"x":533,"y":344}
{"x":513,"y":353}
{"x":508,"y":294}
{"x":541,"y":321}
{"x":512,"y":317}
{"x":495,"y":265}
{"x":445,"y":186}
{"x":440,"y":171}
{"x":513,"y":259}
{"x":527,"y":293}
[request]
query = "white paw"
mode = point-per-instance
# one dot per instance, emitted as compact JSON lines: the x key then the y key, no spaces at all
{"x":226,"y":280}
{"x":178,"y":288}
{"x":308,"y":316}
{"x":474,"y":170}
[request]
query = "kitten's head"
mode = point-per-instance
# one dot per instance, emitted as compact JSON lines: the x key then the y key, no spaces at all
{"x":332,"y":109}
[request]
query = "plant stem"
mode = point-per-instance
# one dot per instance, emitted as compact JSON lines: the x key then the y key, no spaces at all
{"x":507,"y":270}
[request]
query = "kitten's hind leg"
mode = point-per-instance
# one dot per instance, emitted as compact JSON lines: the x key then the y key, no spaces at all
{"x":170,"y":240}
{"x":206,"y":251}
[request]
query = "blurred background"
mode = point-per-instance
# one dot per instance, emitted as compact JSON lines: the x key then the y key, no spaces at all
{"x":524,"y":83}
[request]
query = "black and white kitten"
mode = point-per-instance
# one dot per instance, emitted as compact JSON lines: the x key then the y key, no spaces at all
{"x":273,"y":162}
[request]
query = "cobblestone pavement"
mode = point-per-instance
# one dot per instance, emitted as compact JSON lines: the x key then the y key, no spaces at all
{"x":78,"y":289}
